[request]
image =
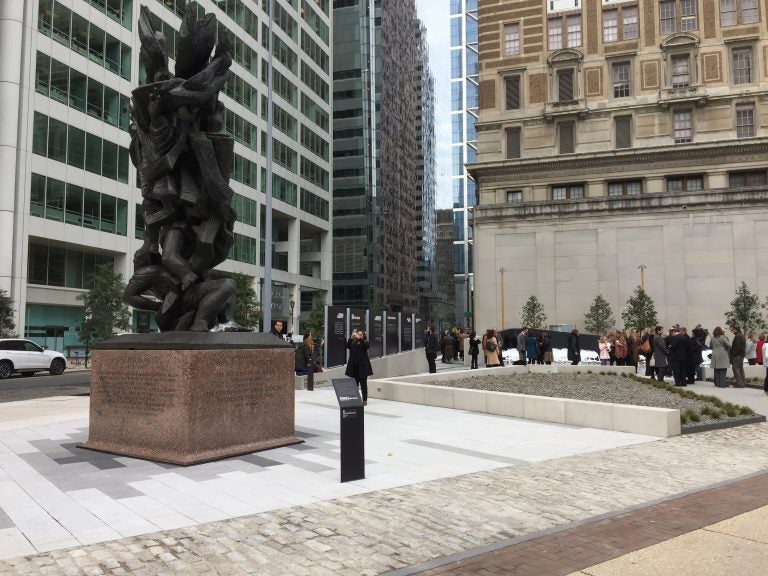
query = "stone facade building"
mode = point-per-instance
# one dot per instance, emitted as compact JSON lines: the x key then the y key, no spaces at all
{"x":614,"y":135}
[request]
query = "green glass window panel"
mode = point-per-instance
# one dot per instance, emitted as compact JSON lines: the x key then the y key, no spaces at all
{"x":124,"y":121}
{"x":122,"y":164}
{"x":96,"y":38}
{"x":78,"y":90}
{"x":45,"y":16}
{"x":57,"y":263}
{"x":108,"y":213}
{"x":79,"y":34}
{"x":111,"y":106}
{"x":95,"y":98}
{"x":109,"y":163}
{"x":93,"y":153}
{"x":59,"y":81}
{"x":54,"y":200}
{"x":121,"y":219}
{"x":40,"y":134}
{"x":73,"y":275}
{"x":62,"y":24}
{"x":43,"y":74}
{"x":91,"y":206}
{"x":76,"y":147}
{"x":57,"y":140}
{"x":112,"y":58}
{"x":37,"y":266}
{"x":74,"y":205}
{"x":139,"y":223}
{"x":125,"y":61}
{"x":89,"y":263}
{"x":37,"y":195}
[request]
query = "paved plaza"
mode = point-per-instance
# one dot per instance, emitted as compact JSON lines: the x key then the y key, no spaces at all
{"x":442,"y":486}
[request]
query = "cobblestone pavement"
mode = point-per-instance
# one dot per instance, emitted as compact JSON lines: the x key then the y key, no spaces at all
{"x":392,"y":529}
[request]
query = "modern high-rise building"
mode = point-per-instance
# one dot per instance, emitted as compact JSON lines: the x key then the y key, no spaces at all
{"x":424,"y":214}
{"x":621,"y":142}
{"x":443,"y":315}
{"x":71,"y":200}
{"x":375,"y":154}
{"x":464,"y":111}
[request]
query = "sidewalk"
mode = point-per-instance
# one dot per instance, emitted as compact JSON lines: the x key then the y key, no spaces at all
{"x":442,"y":486}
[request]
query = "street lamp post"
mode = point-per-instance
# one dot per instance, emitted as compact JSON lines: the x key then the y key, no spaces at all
{"x":293,"y":323}
{"x":642,"y":276}
{"x":502,"y":270}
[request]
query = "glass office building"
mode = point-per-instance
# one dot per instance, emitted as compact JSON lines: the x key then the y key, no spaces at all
{"x":70,"y":199}
{"x":464,"y":112}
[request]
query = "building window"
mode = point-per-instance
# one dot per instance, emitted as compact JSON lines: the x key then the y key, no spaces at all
{"x":623,"y":129}
{"x":681,"y":71}
{"x":685,"y":183}
{"x":625,"y":188}
{"x":745,"y":121}
{"x":513,"y":142}
{"x":682,"y":123}
{"x":747,"y":179}
{"x":512,"y":92}
{"x":620,"y":73}
{"x":511,"y":39}
{"x":568,"y":28}
{"x":514,"y":196}
{"x":620,"y":24}
{"x":741,"y":58}
{"x":565,"y":91}
{"x":734,"y":12}
{"x":669,"y":22}
{"x":567,"y":191}
{"x":565,"y":134}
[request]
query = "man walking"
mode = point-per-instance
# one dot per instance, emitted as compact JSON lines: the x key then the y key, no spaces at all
{"x":521,"y":346}
{"x":738,"y":350}
{"x":430,"y":349}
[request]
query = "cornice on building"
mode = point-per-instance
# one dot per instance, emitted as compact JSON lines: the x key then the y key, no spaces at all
{"x":579,"y":164}
{"x":689,"y":202}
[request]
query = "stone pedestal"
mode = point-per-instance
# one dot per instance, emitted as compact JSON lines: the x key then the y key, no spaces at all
{"x":186,"y":398}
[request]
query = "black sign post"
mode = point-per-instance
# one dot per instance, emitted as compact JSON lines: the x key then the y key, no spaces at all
{"x":352,"y":429}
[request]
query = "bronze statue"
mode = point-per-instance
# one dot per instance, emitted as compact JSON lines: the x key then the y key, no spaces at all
{"x":183,"y":158}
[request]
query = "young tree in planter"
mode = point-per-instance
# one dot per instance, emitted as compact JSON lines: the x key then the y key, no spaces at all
{"x":247,"y":307}
{"x":104,"y":311}
{"x":599,"y":318}
{"x":745,"y":311}
{"x":640,"y":311}
{"x":316,"y":323}
{"x":7,"y":325}
{"x":533,"y":314}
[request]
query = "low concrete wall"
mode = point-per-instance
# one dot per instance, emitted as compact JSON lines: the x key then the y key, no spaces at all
{"x":402,"y":364}
{"x":749,"y":372}
{"x":661,"y":422}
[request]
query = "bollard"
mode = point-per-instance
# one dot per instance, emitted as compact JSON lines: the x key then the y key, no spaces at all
{"x":310,"y":377}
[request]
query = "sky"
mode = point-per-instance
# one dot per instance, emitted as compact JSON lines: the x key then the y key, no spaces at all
{"x":435,"y":14}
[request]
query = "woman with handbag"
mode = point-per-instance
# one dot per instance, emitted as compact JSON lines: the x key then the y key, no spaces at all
{"x":491,"y":349}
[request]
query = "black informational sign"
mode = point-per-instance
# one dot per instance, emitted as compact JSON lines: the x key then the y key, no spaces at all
{"x":392,"y":334}
{"x":352,"y":429}
{"x":406,"y":327}
{"x":419,"y":331}
{"x":376,"y":336}
{"x":336,"y":346}
{"x":357,"y":320}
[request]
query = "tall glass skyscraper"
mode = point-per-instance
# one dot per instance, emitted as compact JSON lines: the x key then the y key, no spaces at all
{"x":464,"y":111}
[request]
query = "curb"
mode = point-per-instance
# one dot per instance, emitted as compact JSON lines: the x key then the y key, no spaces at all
{"x":758,"y":418}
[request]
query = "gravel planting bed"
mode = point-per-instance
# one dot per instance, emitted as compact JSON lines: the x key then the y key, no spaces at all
{"x":601,"y":388}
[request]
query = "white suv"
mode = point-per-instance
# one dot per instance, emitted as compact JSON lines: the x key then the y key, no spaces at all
{"x":27,"y":357}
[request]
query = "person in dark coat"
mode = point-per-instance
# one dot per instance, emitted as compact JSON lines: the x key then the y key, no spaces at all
{"x":430,"y":349}
{"x":447,"y":348}
{"x":303,"y":355}
{"x":680,"y":356}
{"x":359,"y":365}
{"x":659,"y":354}
{"x":474,"y":349}
{"x":546,"y":348}
{"x":738,"y":351}
{"x":574,"y":350}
